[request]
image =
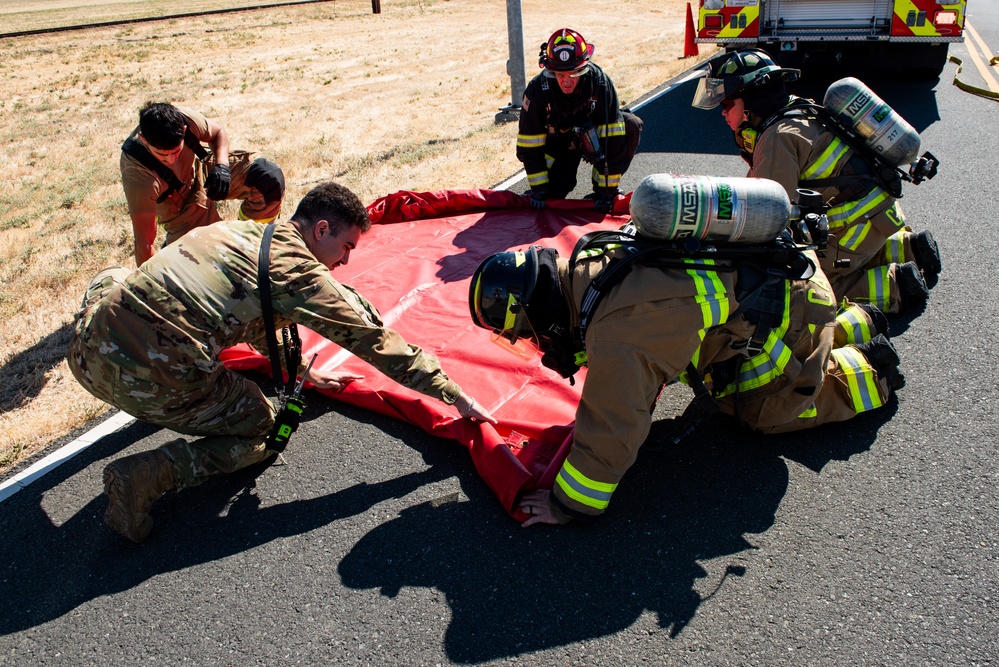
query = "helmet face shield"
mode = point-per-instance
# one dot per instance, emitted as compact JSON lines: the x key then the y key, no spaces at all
{"x":498,"y":293}
{"x":709,"y":94}
{"x":733,"y":74}
{"x":517,"y":335}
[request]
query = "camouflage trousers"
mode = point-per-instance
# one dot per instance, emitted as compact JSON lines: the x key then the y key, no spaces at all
{"x":230,"y":411}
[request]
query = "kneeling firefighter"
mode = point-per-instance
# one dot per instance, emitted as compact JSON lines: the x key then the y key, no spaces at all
{"x":570,"y":113}
{"x":849,"y":149}
{"x":749,"y":321}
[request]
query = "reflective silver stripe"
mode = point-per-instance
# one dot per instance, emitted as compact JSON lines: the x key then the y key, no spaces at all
{"x":844,"y":214}
{"x":582,"y":489}
{"x":531,"y":140}
{"x":611,"y":130}
{"x":854,"y":324}
{"x":825,"y":165}
{"x":879,"y":287}
{"x":860,"y":378}
{"x":539,"y":178}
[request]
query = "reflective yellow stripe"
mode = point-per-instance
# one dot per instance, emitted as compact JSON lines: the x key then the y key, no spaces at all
{"x":855,"y":236}
{"x":770,"y":363}
{"x":860,"y":378}
{"x":582,"y":489}
{"x":711,"y":296}
{"x":531,"y":140}
{"x":879,"y":287}
{"x":895,"y":248}
{"x":611,"y":130}
{"x":828,"y":162}
{"x":854,"y":324}
{"x":600,"y":181}
{"x":810,"y":413}
{"x":540,"y":178}
{"x":711,"y":293}
{"x":598,"y":250}
{"x":848,"y":213}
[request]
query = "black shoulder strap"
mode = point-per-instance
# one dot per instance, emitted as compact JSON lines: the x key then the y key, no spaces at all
{"x":194,"y":144}
{"x":135,"y":149}
{"x":881,"y":172}
{"x":267,"y":309}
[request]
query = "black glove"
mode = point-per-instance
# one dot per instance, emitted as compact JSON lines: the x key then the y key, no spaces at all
{"x":218,"y":182}
{"x":267,"y":179}
{"x":538,"y":199}
{"x":603,"y":199}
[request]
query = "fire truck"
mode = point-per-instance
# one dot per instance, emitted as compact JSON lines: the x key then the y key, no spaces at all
{"x":912,"y":35}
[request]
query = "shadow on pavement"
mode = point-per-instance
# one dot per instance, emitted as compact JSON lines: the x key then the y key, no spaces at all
{"x":514,"y":591}
{"x":511,"y":591}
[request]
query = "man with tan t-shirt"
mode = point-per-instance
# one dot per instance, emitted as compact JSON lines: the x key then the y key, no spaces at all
{"x":169,"y":178}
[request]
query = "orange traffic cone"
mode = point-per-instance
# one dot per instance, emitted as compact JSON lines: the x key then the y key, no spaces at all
{"x":689,"y":45}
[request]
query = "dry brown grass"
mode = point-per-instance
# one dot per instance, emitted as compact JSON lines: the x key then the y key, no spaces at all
{"x":403,"y":100}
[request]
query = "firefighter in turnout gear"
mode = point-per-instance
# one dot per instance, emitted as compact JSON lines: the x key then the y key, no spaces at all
{"x":570,"y":113}
{"x":873,"y":256}
{"x":785,"y":361}
{"x":171,"y":179}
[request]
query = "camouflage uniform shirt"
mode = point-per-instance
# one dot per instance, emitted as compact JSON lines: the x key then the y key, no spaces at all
{"x":165,"y":323}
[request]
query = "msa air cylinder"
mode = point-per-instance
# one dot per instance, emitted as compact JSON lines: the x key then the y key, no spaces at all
{"x":883,"y":130}
{"x":734,"y":210}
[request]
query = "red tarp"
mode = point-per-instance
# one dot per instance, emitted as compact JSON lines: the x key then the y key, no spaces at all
{"x":414,"y":266}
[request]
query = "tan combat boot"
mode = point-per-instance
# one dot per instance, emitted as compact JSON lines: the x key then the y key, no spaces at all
{"x":133,"y":484}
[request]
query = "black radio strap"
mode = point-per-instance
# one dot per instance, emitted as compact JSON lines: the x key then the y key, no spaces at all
{"x":267,"y":309}
{"x":135,"y":149}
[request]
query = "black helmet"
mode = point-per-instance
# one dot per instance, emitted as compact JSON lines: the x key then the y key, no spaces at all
{"x":500,"y":290}
{"x":566,"y":51}
{"x":736,"y":73}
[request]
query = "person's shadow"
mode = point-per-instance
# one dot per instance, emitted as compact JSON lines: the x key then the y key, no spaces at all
{"x":22,"y":377}
{"x":511,"y":591}
{"x":47,"y":570}
{"x":515,"y":591}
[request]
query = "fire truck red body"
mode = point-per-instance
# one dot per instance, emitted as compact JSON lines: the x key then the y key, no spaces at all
{"x":912,"y":33}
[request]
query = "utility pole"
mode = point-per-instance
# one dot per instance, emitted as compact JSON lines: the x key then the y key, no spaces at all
{"x":515,"y":64}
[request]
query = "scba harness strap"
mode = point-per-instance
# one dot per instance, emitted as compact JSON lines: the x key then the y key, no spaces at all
{"x":762,"y":271}
{"x":878,"y":171}
{"x":761,"y":268}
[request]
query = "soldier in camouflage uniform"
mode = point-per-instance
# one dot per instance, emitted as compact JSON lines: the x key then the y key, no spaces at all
{"x":148,"y":342}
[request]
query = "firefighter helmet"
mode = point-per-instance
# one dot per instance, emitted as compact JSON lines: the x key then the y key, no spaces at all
{"x":566,"y":51}
{"x":500,"y":291}
{"x":734,"y":74}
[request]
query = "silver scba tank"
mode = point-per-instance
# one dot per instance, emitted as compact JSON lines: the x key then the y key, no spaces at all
{"x":710,"y":208}
{"x":869,"y":116}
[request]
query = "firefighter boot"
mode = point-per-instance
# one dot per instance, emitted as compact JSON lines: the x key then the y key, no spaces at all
{"x":878,"y":319}
{"x":133,"y":484}
{"x":911,"y":284}
{"x":884,"y":360}
{"x":926,"y":253}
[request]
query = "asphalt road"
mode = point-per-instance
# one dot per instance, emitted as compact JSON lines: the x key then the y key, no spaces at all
{"x":872,"y":542}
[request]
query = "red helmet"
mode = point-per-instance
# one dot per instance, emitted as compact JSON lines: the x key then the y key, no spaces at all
{"x":565,"y":51}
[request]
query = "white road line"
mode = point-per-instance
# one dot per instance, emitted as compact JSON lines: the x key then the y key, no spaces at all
{"x":63,"y":454}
